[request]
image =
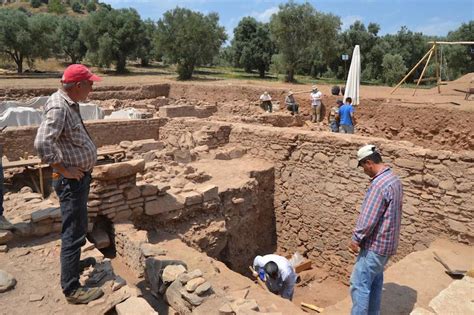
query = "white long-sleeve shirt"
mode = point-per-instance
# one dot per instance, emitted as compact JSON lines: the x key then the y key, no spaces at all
{"x":286,"y":274}
{"x":316,"y":98}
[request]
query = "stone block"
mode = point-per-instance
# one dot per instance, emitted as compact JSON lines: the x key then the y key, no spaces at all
{"x":172,"y":272}
{"x":99,"y":237}
{"x":40,"y":229}
{"x":151,"y":250}
{"x":175,"y":300}
{"x":132,"y":193}
{"x":209,"y":192}
{"x":203,"y":289}
{"x":190,"y":198}
{"x":185,"y":278}
{"x":94,"y":203}
{"x":49,"y":213}
{"x":5,"y":236}
{"x":191,"y":285}
{"x":163,"y":204}
{"x":135,"y":306}
{"x":411,"y":164}
{"x":118,"y":170}
{"x":154,"y":268}
{"x":191,"y":298}
{"x":148,"y":190}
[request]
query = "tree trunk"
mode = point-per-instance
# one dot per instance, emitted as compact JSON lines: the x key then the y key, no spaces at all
{"x":19,"y":64}
{"x":144,"y":62}
{"x":185,"y":70}
{"x":290,"y":75}
{"x":121,"y":62}
{"x":262,"y":72}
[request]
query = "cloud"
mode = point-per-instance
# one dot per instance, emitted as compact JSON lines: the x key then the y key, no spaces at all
{"x":265,"y":15}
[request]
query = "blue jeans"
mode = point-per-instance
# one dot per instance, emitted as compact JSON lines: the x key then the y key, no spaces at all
{"x":73,"y":196}
{"x":334,"y":126}
{"x":1,"y":188}
{"x":367,"y":283}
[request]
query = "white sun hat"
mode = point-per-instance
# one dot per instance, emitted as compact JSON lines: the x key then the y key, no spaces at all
{"x":365,"y":151}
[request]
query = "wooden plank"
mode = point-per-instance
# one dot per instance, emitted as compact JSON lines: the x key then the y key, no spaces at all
{"x":22,"y":163}
{"x":110,"y":151}
{"x":305,"y":265}
{"x":312,"y":307}
{"x":453,"y":43}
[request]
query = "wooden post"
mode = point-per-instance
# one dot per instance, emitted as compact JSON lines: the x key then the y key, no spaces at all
{"x":413,"y":69}
{"x":40,"y":170}
{"x":423,"y":72}
{"x":438,"y":79}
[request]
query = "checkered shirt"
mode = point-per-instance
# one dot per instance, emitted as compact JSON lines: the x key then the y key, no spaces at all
{"x":62,"y":136}
{"x":378,"y":225}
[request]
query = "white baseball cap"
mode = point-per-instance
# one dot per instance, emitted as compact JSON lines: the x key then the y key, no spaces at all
{"x":365,"y":151}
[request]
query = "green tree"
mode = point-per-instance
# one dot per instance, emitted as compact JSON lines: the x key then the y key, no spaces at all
{"x":111,"y":36}
{"x":295,"y":28}
{"x":393,"y":68}
{"x":68,"y":41}
{"x":76,"y":7}
{"x":24,"y":38}
{"x":55,"y":6}
{"x":459,"y":59}
{"x":252,"y":46}
{"x":145,"y":50}
{"x":91,"y":6}
{"x":35,"y":3}
{"x":189,"y":38}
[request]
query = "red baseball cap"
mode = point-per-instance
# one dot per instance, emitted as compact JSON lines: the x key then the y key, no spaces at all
{"x":77,"y":73}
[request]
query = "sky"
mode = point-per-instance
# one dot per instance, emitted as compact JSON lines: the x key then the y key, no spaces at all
{"x":431,"y":17}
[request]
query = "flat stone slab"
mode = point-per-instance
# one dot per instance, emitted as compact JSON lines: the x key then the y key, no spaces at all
{"x":135,"y":306}
{"x":457,"y":298}
{"x":118,"y":170}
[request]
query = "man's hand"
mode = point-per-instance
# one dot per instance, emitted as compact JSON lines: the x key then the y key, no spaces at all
{"x":254,"y":272}
{"x":354,"y":247}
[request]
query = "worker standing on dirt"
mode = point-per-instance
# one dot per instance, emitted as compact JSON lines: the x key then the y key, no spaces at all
{"x":266,"y":102}
{"x":333,"y":116}
{"x":377,"y":231}
{"x":291,"y":104}
{"x":347,"y":119}
{"x":63,"y":142}
{"x":4,"y":224}
{"x":278,"y":274}
{"x":316,"y":97}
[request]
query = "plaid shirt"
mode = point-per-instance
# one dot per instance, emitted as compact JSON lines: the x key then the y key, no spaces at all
{"x":62,"y":136}
{"x":378,"y":225}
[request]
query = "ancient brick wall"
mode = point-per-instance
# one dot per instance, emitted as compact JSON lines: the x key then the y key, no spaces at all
{"x":318,"y":191}
{"x":18,"y":142}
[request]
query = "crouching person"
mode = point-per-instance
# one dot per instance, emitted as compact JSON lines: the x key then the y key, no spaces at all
{"x":278,"y":274}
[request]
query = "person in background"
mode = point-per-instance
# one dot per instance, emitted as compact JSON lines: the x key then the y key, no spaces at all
{"x":316,"y":97}
{"x":291,"y":104}
{"x":278,"y":274}
{"x":333,"y":116}
{"x":376,"y":234}
{"x":63,"y":142}
{"x":347,"y":120}
{"x":266,"y":102}
{"x":4,"y":224}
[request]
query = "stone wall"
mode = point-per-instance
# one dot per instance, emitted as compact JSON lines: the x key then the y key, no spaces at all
{"x":318,"y":189}
{"x":18,"y":142}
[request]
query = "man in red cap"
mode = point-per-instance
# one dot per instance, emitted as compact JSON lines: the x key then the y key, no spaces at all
{"x":63,"y":142}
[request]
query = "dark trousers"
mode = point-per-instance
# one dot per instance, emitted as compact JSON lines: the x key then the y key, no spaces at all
{"x":1,"y":188}
{"x":293,"y":108}
{"x":73,"y":195}
{"x":267,"y":106}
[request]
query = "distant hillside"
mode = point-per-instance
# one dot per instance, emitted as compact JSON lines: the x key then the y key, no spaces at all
{"x":59,"y":7}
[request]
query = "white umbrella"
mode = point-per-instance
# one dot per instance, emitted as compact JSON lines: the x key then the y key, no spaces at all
{"x":353,"y":79}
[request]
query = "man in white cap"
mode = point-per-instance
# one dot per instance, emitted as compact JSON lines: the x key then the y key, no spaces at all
{"x":291,"y":104}
{"x":266,"y":102}
{"x":62,"y":141}
{"x":316,"y":97}
{"x":278,"y":274}
{"x":377,"y":231}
